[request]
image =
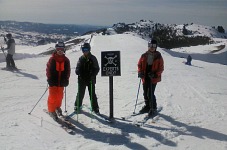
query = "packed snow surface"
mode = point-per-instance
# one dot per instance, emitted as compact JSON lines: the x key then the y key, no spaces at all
{"x":193,"y":100}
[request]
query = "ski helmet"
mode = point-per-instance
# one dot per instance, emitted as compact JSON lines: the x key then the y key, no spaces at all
{"x":86,"y":47}
{"x":9,"y":35}
{"x":153,"y":43}
{"x":60,"y":44}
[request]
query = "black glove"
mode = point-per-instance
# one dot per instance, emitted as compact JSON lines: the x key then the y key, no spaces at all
{"x":152,"y":75}
{"x":77,"y":71}
{"x":140,"y":74}
{"x":155,"y":76}
{"x":50,"y":82}
{"x":65,"y":83}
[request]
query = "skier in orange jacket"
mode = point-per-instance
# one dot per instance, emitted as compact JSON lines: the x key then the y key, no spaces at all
{"x":58,"y":73}
{"x":150,"y":68}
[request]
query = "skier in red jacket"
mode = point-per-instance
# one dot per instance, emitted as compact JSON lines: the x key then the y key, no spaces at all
{"x":58,"y":73}
{"x":150,"y":68}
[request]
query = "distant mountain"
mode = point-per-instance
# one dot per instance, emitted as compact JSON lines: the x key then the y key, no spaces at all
{"x":66,"y":29}
{"x":29,"y":33}
{"x":168,"y":35}
{"x":171,"y":35}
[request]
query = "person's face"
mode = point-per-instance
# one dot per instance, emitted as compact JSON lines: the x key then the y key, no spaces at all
{"x":152,"y":47}
{"x":85,"y":51}
{"x":60,"y":51}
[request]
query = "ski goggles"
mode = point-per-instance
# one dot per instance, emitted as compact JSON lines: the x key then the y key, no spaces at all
{"x":85,"y":49}
{"x":152,"y":45}
{"x":60,"y":49}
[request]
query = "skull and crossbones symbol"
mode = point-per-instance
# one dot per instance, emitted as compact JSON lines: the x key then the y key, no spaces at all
{"x":111,"y":60}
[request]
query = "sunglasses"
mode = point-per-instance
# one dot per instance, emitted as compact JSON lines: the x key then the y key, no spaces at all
{"x":85,"y":49}
{"x":60,"y":49}
{"x":152,"y":45}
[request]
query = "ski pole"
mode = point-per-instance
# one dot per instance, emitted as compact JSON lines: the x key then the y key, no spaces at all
{"x":38,"y":100}
{"x":151,"y":96}
{"x":1,"y":45}
{"x":65,"y":101}
{"x":3,"y":52}
{"x":137,"y":96}
{"x":78,"y":100}
{"x":91,"y":99}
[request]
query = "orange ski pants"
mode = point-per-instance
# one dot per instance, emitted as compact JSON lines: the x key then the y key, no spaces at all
{"x":55,"y":98}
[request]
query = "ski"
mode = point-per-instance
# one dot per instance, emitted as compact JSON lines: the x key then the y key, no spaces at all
{"x":136,"y":114}
{"x":64,"y":123}
{"x":147,"y":117}
{"x":130,"y":116}
{"x":70,"y":115}
{"x":98,"y":115}
{"x":11,"y":69}
{"x":102,"y":117}
{"x":141,"y":123}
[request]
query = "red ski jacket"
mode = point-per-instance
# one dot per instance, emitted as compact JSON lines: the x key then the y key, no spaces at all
{"x":156,"y":68}
{"x":58,"y":70}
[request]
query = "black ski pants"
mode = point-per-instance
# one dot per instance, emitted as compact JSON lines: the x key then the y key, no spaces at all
{"x":81,"y":91}
{"x":148,"y":93}
{"x":9,"y":61}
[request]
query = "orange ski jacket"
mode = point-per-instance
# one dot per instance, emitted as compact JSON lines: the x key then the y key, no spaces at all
{"x":156,"y":68}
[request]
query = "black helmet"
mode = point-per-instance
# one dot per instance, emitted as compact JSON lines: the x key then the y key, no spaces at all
{"x":60,"y":44}
{"x":153,"y":43}
{"x":86,"y":47}
{"x":9,"y":35}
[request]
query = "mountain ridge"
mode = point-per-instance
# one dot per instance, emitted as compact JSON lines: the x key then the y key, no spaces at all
{"x":168,"y":35}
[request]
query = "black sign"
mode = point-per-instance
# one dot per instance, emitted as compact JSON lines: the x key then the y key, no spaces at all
{"x":110,"y":63}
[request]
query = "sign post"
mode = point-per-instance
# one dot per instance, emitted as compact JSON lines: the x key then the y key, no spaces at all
{"x":111,"y":66}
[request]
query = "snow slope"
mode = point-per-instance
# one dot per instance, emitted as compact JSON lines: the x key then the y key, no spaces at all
{"x":193,"y":99}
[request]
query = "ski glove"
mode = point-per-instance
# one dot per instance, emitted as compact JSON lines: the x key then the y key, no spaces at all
{"x":152,"y":75}
{"x":50,"y":82}
{"x":140,"y":75}
{"x":155,"y":75}
{"x":77,"y":71}
{"x":65,"y":83}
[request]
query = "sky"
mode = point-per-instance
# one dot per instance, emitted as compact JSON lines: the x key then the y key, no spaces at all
{"x":193,"y":100}
{"x":109,"y":12}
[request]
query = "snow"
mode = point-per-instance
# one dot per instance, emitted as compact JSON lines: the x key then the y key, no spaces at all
{"x":193,"y":100}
